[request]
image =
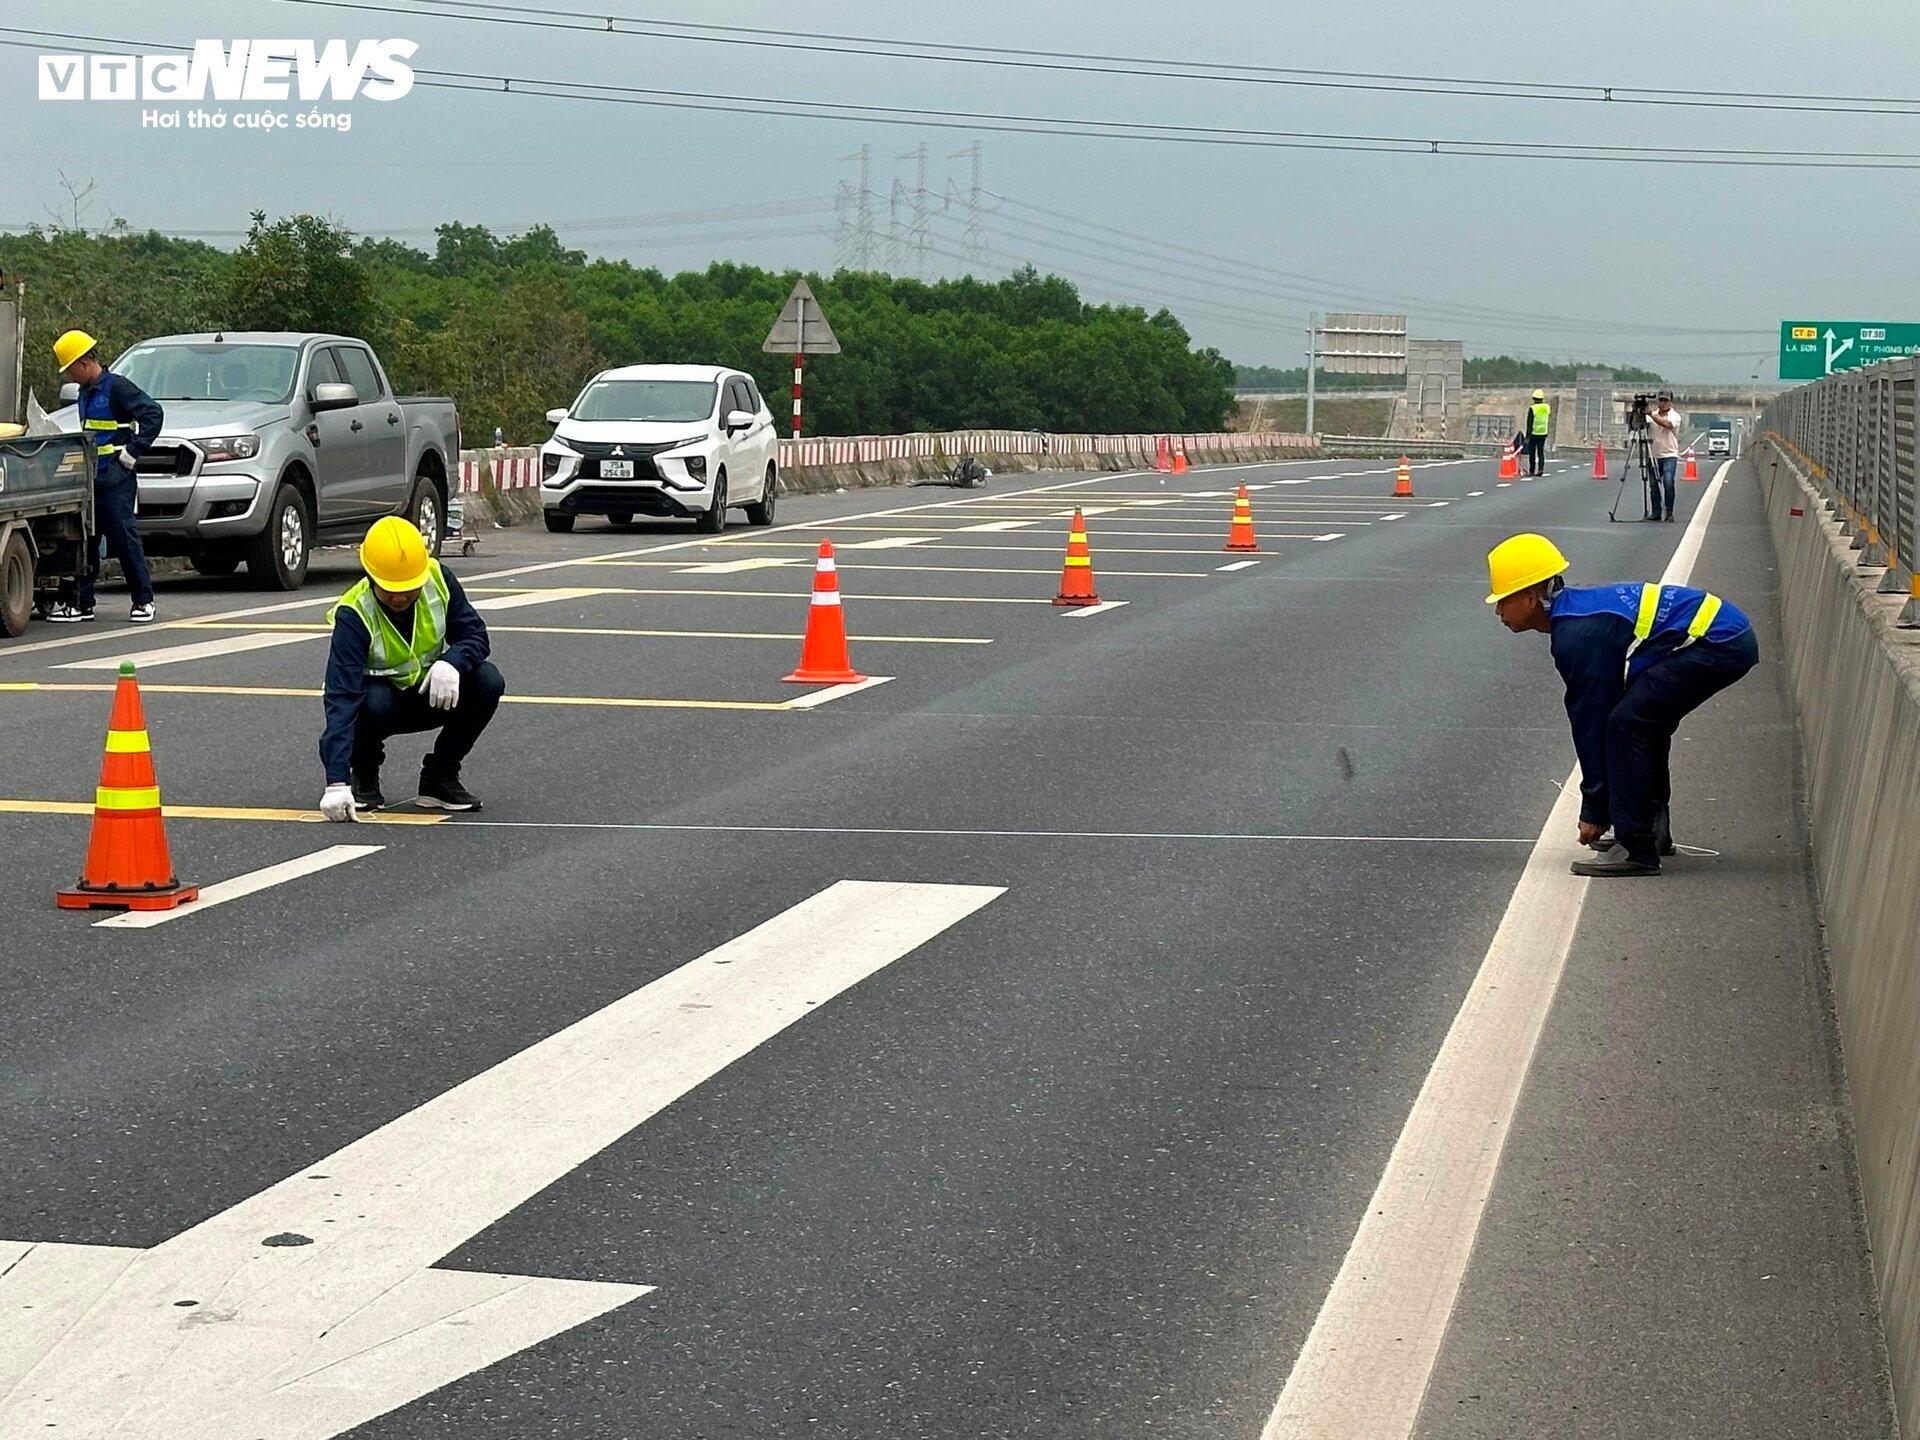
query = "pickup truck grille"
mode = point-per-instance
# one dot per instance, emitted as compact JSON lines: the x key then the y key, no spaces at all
{"x":166,"y":459}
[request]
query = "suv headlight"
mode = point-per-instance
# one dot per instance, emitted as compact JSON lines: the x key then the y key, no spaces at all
{"x":696,"y":466}
{"x":221,"y":448}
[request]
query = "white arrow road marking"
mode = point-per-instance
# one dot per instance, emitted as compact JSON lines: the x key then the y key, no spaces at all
{"x":240,"y":885}
{"x":198,"y":650}
{"x":315,"y":1307}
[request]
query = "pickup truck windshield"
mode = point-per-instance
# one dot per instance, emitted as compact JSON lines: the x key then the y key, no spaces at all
{"x":212,"y":372}
{"x":668,"y":401}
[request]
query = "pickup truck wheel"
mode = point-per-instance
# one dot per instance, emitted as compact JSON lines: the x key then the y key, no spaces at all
{"x":277,"y":557}
{"x":428,"y":514}
{"x":559,"y":523}
{"x":761,"y":511}
{"x":214,"y":563}
{"x":714,"y":520}
{"x":16,"y":584}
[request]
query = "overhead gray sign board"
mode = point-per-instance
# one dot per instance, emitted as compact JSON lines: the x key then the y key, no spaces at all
{"x":1364,"y":345}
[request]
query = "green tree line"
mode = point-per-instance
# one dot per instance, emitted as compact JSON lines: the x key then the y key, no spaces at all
{"x":1476,"y":370}
{"x":513,"y":327}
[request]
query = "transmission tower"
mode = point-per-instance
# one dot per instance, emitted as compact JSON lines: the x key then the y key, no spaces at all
{"x":976,"y":233}
{"x":861,"y":244}
{"x":918,"y":234}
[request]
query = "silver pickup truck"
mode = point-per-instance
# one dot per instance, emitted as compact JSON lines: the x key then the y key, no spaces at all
{"x":277,"y":442}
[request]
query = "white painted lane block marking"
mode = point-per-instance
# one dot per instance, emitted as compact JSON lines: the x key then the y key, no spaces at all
{"x":1307,"y":481}
{"x":1397,"y":515}
{"x":1085,"y":610}
{"x":312,"y":1293}
{"x":1472,"y":494}
{"x":889,"y":542}
{"x":735,"y":567}
{"x":198,"y":650}
{"x":538,"y":597}
{"x":1330,"y":535}
{"x":1236,"y":565}
{"x":991,"y":526}
{"x":1438,"y":504}
{"x":1504,"y":485}
{"x":1366,"y":1362}
{"x":836,"y":692}
{"x":242,"y":885}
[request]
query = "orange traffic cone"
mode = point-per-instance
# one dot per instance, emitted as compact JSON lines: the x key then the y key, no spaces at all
{"x":1162,"y":456}
{"x":1076,"y":574}
{"x":1691,"y":470}
{"x":1180,"y":459}
{"x":1240,"y":535}
{"x":823,"y":653}
{"x":1600,"y":462}
{"x":128,"y":867}
{"x":1509,"y":463}
{"x":1403,"y":481}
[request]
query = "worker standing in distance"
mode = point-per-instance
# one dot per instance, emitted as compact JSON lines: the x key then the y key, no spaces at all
{"x":1539,"y":426}
{"x":1663,"y":437}
{"x":409,"y":653}
{"x":123,"y":421}
{"x":1637,"y":659}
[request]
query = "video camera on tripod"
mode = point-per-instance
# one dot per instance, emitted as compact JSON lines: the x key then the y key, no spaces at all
{"x":1637,"y":413}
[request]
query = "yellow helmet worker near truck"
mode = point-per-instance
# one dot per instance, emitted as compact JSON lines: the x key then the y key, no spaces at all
{"x":409,"y":653}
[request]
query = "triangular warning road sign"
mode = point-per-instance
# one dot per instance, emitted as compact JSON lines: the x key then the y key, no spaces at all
{"x":802,"y":328}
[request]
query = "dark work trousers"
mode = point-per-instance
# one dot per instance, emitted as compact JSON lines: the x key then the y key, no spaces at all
{"x":1640,"y":732}
{"x":388,"y":710}
{"x":113,"y":517}
{"x":1536,"y":454}
{"x":1660,"y":485}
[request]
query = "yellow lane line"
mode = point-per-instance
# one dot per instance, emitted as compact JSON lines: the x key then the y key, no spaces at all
{"x":614,"y":702}
{"x":622,"y":631}
{"x":221,"y":812}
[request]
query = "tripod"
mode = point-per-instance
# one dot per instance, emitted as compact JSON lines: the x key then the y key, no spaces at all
{"x":1639,"y":457}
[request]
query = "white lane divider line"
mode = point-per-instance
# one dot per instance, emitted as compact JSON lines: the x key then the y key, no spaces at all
{"x":1438,"y":504}
{"x":1236,"y":565}
{"x":1086,"y":610}
{"x":992,"y":526}
{"x":1504,"y":485}
{"x":1475,"y":494}
{"x":1366,"y":1362}
{"x":1330,"y":535}
{"x":242,"y":885}
{"x":836,"y":692}
{"x":198,"y":650}
{"x":328,"y":1311}
{"x":1307,"y":481}
{"x":538,"y":597}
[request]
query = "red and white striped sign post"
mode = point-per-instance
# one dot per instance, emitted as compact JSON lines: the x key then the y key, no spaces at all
{"x":800,"y":331}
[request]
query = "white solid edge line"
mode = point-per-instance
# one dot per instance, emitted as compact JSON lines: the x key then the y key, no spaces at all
{"x":1365,"y":1365}
{"x":837,"y":692}
{"x":242,"y":885}
{"x":1085,"y":610}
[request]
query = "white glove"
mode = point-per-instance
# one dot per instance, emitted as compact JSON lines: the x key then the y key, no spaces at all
{"x":337,"y":802}
{"x":442,"y":686}
{"x":125,"y":457}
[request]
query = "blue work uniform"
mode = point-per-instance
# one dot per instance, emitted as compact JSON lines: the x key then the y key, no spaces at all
{"x":363,"y":710}
{"x":1637,"y":659}
{"x":121,"y":418}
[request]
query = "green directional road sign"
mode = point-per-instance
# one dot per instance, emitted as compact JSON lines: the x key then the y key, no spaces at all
{"x":1812,"y":348}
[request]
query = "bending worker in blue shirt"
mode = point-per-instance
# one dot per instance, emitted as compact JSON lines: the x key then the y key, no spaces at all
{"x":409,"y":653}
{"x":1637,"y":660}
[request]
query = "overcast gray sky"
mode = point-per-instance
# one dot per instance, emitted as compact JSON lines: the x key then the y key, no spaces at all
{"x":1597,"y":255}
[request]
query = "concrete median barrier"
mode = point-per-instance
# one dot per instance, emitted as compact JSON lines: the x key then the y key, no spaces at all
{"x":1856,"y":685}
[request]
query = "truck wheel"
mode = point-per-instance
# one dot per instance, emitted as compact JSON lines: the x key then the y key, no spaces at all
{"x":714,"y":520}
{"x":428,"y":513}
{"x":16,"y":584}
{"x":761,"y":511}
{"x":214,"y":562}
{"x":559,"y":523}
{"x":277,"y":557}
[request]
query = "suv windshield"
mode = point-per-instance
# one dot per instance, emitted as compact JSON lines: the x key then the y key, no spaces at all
{"x":211,"y":372}
{"x":672,"y":402}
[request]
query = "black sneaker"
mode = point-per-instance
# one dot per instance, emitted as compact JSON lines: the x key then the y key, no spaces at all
{"x":65,"y":614}
{"x":438,"y":792}
{"x":1613,"y":867}
{"x":366,"y":793}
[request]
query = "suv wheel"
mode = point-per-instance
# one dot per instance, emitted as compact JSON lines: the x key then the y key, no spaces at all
{"x":713,"y":521}
{"x":277,"y":557}
{"x":761,"y":511}
{"x":428,"y":513}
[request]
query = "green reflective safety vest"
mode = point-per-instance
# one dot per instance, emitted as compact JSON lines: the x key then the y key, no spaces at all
{"x":391,"y":655}
{"x":1539,"y":418}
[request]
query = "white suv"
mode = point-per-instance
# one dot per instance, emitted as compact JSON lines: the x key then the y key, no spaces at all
{"x":685,"y":441}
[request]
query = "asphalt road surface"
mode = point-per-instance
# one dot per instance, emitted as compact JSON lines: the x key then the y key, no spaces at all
{"x":1011,"y":1048}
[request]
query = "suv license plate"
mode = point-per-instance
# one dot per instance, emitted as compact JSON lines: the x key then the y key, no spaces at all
{"x":616,"y":469}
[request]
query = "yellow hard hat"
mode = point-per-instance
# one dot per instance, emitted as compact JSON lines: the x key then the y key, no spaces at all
{"x":1520,"y":561}
{"x":395,"y":554}
{"x":72,"y":346}
{"x":1539,"y":394}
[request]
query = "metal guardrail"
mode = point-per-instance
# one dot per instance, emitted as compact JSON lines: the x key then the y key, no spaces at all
{"x":1854,"y":434}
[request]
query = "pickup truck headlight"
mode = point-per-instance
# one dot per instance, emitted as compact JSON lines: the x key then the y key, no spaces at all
{"x":222,"y":448}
